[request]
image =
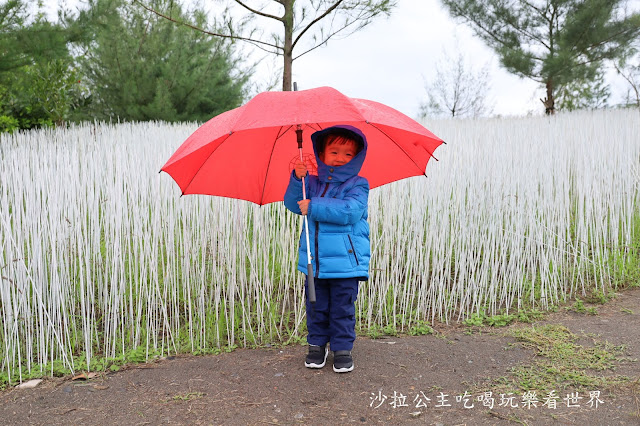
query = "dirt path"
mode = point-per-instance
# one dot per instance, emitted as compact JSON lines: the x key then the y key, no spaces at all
{"x":391,"y":383}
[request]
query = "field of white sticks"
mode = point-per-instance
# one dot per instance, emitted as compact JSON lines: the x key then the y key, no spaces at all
{"x":101,"y":259}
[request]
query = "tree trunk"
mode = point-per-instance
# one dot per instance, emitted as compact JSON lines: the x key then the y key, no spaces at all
{"x":549,"y":102}
{"x":288,"y":45}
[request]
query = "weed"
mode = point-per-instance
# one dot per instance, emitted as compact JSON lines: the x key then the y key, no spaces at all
{"x":578,"y":306}
{"x":420,"y":329}
{"x":475,"y":320}
{"x":390,"y":330}
{"x":375,"y":332}
{"x":479,"y":320}
{"x":529,"y":315}
{"x":188,"y":396}
{"x":562,"y":363}
{"x":500,"y":320}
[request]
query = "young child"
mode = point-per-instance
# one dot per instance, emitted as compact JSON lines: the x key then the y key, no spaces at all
{"x":336,"y":208}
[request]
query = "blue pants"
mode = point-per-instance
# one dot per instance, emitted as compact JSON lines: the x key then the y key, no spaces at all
{"x":333,"y":317}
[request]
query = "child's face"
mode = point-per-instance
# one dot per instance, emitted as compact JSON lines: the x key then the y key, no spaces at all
{"x":338,"y":154}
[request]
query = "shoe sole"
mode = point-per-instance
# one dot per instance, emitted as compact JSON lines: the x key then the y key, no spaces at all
{"x":343,"y":369}
{"x":313,"y":365}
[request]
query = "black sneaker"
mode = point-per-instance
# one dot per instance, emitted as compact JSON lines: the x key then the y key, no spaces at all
{"x":317,"y":356}
{"x":342,"y":361}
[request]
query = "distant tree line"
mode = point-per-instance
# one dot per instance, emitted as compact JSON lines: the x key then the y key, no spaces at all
{"x":113,"y":61}
{"x":136,"y":60}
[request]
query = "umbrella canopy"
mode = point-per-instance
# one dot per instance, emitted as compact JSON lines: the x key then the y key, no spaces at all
{"x":247,"y":153}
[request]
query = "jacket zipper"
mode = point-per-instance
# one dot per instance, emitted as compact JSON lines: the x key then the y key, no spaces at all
{"x":317,"y":231}
{"x":354,"y":250}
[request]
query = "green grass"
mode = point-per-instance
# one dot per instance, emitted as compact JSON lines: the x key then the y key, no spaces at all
{"x":503,"y":320}
{"x":97,"y":363}
{"x":562,"y":363}
{"x":189,"y":396}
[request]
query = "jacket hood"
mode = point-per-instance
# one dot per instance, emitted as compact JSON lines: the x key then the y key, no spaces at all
{"x":339,"y":174}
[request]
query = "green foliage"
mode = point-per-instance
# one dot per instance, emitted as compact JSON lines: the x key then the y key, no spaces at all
{"x":578,"y":306}
{"x":38,"y":85}
{"x":155,"y":69}
{"x":600,"y":297}
{"x":421,"y":328}
{"x":584,"y":94}
{"x":502,"y":320}
{"x":42,"y":94}
{"x":479,"y":320}
{"x":374,"y":332}
{"x":8,"y":124}
{"x":529,"y":315}
{"x":561,"y":44}
{"x":390,"y":330}
{"x":475,"y":320}
{"x":152,"y":70}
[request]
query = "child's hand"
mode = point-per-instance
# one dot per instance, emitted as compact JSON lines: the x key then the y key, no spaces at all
{"x":301,"y":170}
{"x":304,"y":206}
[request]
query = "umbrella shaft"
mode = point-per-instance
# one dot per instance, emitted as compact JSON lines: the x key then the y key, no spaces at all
{"x":306,"y":227}
{"x":311,"y":286}
{"x":304,"y":192}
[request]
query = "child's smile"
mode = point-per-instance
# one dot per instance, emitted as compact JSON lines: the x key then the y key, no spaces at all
{"x":338,"y":154}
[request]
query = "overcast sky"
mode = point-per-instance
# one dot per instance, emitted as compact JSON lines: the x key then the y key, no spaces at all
{"x":390,"y":60}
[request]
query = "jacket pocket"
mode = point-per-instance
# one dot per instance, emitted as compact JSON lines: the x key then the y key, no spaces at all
{"x":351,"y":251}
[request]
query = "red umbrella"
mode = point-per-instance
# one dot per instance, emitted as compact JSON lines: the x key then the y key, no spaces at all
{"x":246,"y":153}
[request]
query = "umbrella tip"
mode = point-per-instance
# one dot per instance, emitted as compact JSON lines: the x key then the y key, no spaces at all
{"x":295,"y":86}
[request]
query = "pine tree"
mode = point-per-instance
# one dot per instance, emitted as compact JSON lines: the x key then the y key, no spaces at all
{"x":140,"y":66}
{"x":557,"y":43}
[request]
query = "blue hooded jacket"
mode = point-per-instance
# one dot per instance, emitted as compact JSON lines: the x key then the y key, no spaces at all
{"x":337,"y":215}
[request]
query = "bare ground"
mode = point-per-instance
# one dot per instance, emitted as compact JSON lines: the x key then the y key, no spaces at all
{"x":391,"y":382}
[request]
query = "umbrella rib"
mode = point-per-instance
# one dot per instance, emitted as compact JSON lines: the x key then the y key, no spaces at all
{"x":266,"y":175}
{"x":279,"y":135}
{"x":273,"y":147}
{"x":203,"y":163}
{"x":405,"y":152}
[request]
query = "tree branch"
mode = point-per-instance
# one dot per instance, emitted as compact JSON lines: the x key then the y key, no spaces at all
{"x":587,"y":53}
{"x":233,"y":37}
{"x":327,"y":12}
{"x":601,"y":42}
{"x":491,"y":36}
{"x":631,"y":82}
{"x":257,"y":12}
{"x":537,"y":9}
{"x":526,"y":33}
{"x":323,"y":41}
